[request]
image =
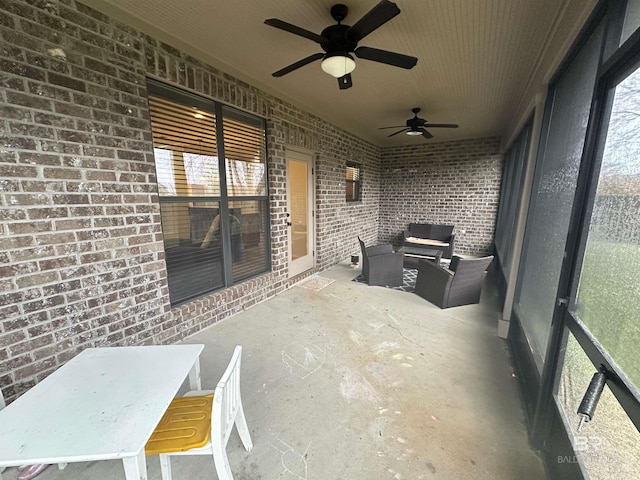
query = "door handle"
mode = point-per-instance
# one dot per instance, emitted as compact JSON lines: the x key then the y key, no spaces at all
{"x":288,"y":224}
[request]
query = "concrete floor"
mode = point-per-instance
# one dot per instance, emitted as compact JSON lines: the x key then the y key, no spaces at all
{"x":342,"y":381}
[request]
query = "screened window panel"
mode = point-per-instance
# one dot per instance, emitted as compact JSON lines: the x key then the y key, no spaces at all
{"x":517,"y":178}
{"x":505,"y":199}
{"x":608,"y":299}
{"x":510,"y":196}
{"x":631,"y":19}
{"x":552,"y":196}
{"x":185,"y":149}
{"x":244,"y":146}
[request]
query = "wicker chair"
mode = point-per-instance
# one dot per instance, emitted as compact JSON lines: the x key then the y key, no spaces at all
{"x":460,"y":284}
{"x":381,"y":266}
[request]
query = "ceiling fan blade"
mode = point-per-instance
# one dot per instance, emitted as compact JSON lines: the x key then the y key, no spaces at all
{"x":441,"y":125}
{"x":287,"y":27}
{"x":385,"y":56}
{"x":395,"y":126}
{"x":399,"y":131}
{"x":298,"y":64}
{"x":426,"y":134}
{"x":344,"y":82}
{"x":374,"y":18}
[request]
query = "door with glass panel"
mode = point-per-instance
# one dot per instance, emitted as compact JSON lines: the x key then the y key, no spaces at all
{"x":300,"y":220}
{"x":603,"y":330}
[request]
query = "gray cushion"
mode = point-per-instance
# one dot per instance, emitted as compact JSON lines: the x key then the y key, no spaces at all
{"x":422,"y":230}
{"x":441,"y":232}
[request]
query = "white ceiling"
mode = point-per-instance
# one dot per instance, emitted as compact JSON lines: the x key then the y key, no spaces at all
{"x":479,"y":61}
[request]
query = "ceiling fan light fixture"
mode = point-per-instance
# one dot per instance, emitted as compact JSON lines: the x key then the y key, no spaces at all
{"x":338,"y":65}
{"x":414,"y":132}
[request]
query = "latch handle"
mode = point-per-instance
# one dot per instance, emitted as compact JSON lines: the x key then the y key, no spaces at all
{"x":587,"y":408}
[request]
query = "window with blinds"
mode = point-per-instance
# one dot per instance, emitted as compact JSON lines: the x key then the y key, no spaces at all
{"x":245,"y":155}
{"x":353,"y":182}
{"x":215,"y":228}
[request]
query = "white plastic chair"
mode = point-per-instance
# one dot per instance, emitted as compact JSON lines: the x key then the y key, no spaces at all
{"x":226,"y":411}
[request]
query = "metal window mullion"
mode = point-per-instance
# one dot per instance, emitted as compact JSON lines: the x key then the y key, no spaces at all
{"x":251,"y":198}
{"x":182,"y":198}
{"x":225,"y":227}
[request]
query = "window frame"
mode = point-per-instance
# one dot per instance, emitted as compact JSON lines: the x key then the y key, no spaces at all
{"x":223,"y":198}
{"x":625,"y":61}
{"x":356,"y":184}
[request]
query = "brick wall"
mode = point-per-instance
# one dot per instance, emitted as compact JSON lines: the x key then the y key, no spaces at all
{"x":454,"y":183}
{"x":81,"y":252}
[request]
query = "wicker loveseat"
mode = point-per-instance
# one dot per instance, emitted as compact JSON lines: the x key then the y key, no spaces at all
{"x":431,"y":236}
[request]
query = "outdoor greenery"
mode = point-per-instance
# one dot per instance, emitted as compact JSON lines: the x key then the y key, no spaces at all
{"x":609,"y":301}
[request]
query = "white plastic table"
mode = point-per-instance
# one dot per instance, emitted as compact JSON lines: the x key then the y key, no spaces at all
{"x":103,"y":404}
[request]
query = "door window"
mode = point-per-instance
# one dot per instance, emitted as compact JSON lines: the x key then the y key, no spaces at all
{"x":300,"y":220}
{"x":603,"y":316}
{"x":608,"y":298}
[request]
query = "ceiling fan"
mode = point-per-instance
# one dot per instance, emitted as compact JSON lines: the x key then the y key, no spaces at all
{"x":418,"y":126}
{"x":340,"y":41}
